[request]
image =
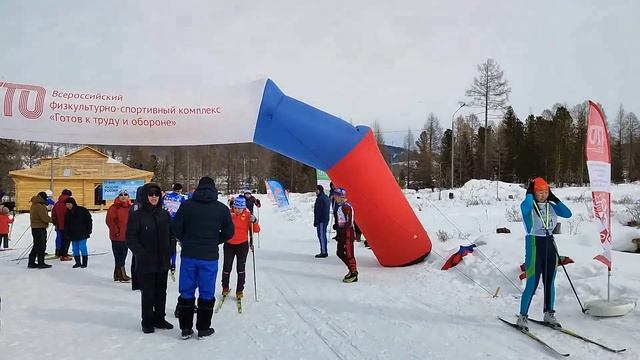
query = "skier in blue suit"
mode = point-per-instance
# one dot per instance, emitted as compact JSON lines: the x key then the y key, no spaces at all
{"x":540,"y":211}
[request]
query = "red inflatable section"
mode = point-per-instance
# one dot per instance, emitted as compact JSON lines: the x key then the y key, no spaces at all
{"x":382,"y":212}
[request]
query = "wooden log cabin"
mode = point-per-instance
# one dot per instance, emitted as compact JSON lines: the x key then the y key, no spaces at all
{"x":81,"y":171}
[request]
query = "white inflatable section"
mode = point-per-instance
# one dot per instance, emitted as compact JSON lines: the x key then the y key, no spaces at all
{"x":171,"y":115}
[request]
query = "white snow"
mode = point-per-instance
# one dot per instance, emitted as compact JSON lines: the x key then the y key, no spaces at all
{"x":304,"y":310}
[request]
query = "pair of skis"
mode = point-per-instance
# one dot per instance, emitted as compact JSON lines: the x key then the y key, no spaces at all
{"x":562,"y":330}
{"x":219,"y":306}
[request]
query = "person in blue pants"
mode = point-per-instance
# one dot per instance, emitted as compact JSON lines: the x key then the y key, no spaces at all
{"x":201,"y":225}
{"x":540,"y":211}
{"x":321,"y":210}
{"x":78,"y":226}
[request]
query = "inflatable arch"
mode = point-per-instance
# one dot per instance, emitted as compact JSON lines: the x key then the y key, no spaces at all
{"x":278,"y":122}
{"x":351,"y":157}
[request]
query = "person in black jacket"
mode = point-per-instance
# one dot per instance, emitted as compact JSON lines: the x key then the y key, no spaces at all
{"x":77,"y":229}
{"x":321,"y":210}
{"x":251,"y":201}
{"x":150,"y":238}
{"x":202,"y":223}
{"x":137,"y":205}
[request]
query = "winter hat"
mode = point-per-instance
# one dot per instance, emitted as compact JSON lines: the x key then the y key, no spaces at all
{"x":239,"y":202}
{"x":5,"y":210}
{"x":206,"y":181}
{"x":67,"y":192}
{"x":71,"y":200}
{"x":540,"y":185}
{"x":340,"y":192}
{"x":43,"y":195}
{"x":177,"y":187}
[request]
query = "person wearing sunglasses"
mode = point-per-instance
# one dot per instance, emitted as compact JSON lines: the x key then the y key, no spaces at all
{"x":150,"y":238}
{"x":117,"y":218}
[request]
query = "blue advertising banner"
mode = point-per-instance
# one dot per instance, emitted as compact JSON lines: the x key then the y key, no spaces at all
{"x":111,"y":188}
{"x":277,"y":191}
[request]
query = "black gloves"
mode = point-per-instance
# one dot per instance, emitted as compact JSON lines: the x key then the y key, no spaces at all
{"x":335,"y":226}
{"x":315,"y":224}
{"x":552,"y":197}
{"x":530,"y":188}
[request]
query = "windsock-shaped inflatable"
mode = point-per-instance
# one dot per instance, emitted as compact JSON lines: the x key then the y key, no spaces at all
{"x":351,"y":157}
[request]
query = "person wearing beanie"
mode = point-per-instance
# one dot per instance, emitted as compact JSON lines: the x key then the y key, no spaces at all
{"x":171,"y":202}
{"x":321,"y":210}
{"x":202,"y":223}
{"x":40,"y":220}
{"x":540,"y":211}
{"x":251,"y":200}
{"x":238,"y":246}
{"x":57,"y":216}
{"x":150,"y":238}
{"x":344,"y":228}
{"x":116,"y":219}
{"x":78,"y":228}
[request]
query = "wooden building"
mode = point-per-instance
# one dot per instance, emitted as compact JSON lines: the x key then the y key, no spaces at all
{"x":82,"y":172}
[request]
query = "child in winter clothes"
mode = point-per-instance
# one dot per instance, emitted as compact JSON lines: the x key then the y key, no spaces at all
{"x":540,"y":210}
{"x":344,"y":226}
{"x":5,"y":220}
{"x":238,"y":246}
{"x":78,"y":226}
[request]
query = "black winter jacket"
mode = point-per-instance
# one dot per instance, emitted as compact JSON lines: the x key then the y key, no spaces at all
{"x":321,"y":209}
{"x":202,"y":223}
{"x":149,"y":235}
{"x":78,"y":222}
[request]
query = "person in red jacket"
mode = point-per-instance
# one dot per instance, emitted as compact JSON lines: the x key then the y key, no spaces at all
{"x":5,"y":220}
{"x":345,"y":220}
{"x":238,"y":246}
{"x":117,"y":218}
{"x":57,"y":215}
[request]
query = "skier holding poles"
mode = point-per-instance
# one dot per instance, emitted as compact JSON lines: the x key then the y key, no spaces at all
{"x":238,"y":246}
{"x":540,"y":210}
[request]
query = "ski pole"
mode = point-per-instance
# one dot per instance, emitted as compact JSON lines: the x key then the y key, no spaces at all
{"x":253,"y":256}
{"x":26,"y":250}
{"x":258,"y":212}
{"x":21,"y":236}
{"x":568,"y":278}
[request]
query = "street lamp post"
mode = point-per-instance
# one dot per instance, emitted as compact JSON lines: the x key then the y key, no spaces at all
{"x":452,"y":142}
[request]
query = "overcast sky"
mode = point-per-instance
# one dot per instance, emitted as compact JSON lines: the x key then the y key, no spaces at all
{"x":390,"y":61}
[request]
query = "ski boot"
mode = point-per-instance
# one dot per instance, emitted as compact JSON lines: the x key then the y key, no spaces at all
{"x":550,"y":319}
{"x":351,"y":277}
{"x":523,"y":322}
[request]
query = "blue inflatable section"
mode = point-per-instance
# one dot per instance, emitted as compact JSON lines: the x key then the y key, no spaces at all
{"x":300,"y":131}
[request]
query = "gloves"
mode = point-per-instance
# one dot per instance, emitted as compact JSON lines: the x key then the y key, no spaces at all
{"x":254,"y":219}
{"x":552,"y":197}
{"x":251,"y":247}
{"x":530,"y":188}
{"x":315,"y":224}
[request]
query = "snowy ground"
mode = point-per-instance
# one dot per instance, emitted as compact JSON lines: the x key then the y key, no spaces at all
{"x":306,"y":312}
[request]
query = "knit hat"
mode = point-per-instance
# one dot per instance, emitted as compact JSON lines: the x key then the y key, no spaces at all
{"x":206,"y":181}
{"x":239,"y":202}
{"x":340,"y":192}
{"x":43,"y":195}
{"x":67,"y":192}
{"x":540,"y":185}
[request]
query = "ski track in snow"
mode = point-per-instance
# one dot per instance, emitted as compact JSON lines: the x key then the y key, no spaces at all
{"x":306,"y":312}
